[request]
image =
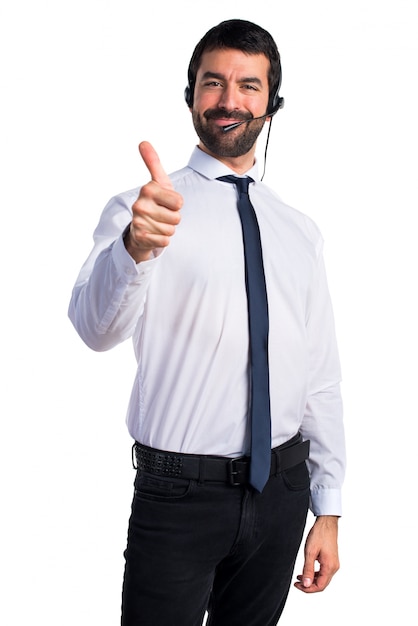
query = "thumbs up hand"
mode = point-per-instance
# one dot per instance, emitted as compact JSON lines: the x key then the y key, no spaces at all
{"x":156,"y":212}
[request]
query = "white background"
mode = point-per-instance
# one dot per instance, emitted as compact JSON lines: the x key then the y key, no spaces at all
{"x":82,"y":83}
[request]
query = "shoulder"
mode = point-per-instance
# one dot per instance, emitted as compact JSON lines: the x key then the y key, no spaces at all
{"x":289,"y":217}
{"x":122,"y":201}
{"x":184,"y":178}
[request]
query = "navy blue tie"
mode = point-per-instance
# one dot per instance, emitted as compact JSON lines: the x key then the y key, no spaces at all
{"x":258,"y":329}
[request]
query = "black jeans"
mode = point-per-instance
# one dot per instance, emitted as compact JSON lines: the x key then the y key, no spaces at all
{"x":212,"y":547}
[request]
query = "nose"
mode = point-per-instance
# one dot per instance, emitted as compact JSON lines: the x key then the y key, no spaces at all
{"x":229,"y":99}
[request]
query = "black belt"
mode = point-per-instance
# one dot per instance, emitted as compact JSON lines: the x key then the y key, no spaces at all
{"x":234,"y":471}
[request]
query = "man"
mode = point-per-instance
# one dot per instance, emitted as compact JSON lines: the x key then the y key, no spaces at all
{"x":170,"y":268}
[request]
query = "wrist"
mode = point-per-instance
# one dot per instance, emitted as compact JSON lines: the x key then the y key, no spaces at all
{"x":136,"y":252}
{"x":327,"y":520}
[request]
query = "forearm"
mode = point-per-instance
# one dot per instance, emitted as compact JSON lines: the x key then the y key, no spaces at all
{"x":106,"y":307}
{"x":323,"y":426}
{"x":323,"y":418}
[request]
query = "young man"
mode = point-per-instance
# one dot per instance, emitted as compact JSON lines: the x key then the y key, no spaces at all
{"x":170,"y":268}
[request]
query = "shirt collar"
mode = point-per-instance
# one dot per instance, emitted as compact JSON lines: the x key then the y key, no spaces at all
{"x":212,"y":168}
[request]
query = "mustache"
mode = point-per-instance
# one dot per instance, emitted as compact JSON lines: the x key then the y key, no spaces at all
{"x":218,"y":114}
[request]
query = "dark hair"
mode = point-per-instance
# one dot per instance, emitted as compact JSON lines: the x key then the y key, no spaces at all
{"x":238,"y":35}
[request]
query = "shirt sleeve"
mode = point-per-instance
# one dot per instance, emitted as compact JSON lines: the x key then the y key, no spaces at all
{"x":109,"y":294}
{"x":323,"y":419}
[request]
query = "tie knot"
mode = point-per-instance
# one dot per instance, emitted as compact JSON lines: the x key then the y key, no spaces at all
{"x":242,"y":184}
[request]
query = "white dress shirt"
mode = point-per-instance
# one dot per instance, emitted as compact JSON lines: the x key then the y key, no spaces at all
{"x":186,"y":311}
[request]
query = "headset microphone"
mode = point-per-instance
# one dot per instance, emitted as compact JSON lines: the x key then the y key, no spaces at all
{"x":226,"y":129}
{"x":275,"y":105}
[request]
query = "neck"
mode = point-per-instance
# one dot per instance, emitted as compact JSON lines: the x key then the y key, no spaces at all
{"x":239,"y":165}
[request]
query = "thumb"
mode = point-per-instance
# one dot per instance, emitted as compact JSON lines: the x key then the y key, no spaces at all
{"x":308,"y":572}
{"x":153,"y":163}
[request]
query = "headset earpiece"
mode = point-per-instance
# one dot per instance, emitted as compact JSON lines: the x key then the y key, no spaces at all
{"x":188,"y":96}
{"x":277,"y":102}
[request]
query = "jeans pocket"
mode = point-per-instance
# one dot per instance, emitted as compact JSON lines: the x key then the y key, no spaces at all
{"x":297,"y":477}
{"x":150,"y":487}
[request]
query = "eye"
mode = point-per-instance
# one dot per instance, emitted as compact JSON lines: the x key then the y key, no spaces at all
{"x":250,"y":87}
{"x":212,"y":83}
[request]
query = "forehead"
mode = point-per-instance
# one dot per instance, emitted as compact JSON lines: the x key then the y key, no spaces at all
{"x":235,"y":64}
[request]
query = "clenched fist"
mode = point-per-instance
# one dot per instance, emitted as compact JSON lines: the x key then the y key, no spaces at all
{"x":156,"y":212}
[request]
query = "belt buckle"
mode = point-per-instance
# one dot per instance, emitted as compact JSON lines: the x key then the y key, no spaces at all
{"x":234,"y":473}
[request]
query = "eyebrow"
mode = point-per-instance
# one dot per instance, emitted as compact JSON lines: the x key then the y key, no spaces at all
{"x":247,"y":79}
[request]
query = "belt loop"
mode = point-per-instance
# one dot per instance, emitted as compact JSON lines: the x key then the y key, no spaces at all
{"x":134,"y":463}
{"x":275,"y":463}
{"x":202,"y":463}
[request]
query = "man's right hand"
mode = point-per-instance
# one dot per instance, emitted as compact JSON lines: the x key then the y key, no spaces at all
{"x":156,"y":212}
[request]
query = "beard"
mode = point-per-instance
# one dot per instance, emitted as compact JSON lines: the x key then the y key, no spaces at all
{"x":226,"y":144}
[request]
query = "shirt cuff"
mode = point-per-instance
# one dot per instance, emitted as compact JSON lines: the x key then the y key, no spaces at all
{"x":125,"y":264}
{"x":326,"y":502}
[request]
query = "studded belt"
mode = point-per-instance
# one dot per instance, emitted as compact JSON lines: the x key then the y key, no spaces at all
{"x":234,"y":471}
